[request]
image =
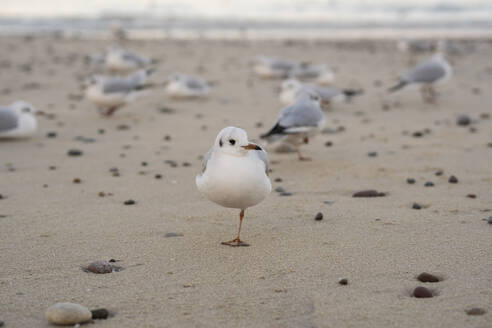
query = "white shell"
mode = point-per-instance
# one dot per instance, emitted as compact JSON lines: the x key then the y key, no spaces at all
{"x":67,"y":314}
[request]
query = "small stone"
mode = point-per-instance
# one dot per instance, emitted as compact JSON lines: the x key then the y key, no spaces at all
{"x":129,"y":202}
{"x":100,"y":314}
{"x":369,"y":193}
{"x":372,"y":154}
{"x":427,"y":277}
{"x":475,"y":311}
{"x":2,"y":323}
{"x":279,"y":189}
{"x":51,"y":134}
{"x":319,"y":216}
{"x":101,"y":131}
{"x":173,"y":234}
{"x":167,"y":137}
{"x":144,"y":164}
{"x":422,"y":292}
{"x":102,"y":194}
{"x":453,"y":179}
{"x":343,"y":282}
{"x":417,"y":134}
{"x":278,"y":180}
{"x":112,"y":261}
{"x":328,"y":144}
{"x":285,"y":193}
{"x":76,"y":180}
{"x":1,"y":196}
{"x":489,"y":220}
{"x":171,"y":163}
{"x":439,"y":173}
{"x":463,"y":120}
{"x":186,"y":164}
{"x":52,"y":168}
{"x":74,"y":152}
{"x":473,"y":196}
{"x":158,"y":176}
{"x":410,"y":181}
{"x":489,"y":145}
{"x":123,"y":127}
{"x":429,"y":184}
{"x":416,"y":206}
{"x":100,"y":267}
{"x":67,"y":314}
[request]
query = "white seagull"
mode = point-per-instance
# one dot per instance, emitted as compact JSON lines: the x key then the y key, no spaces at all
{"x":274,"y":68}
{"x":124,"y":62}
{"x":184,"y":86}
{"x":434,"y":71}
{"x":235,"y":174}
{"x":298,"y":122}
{"x":109,"y":93}
{"x":17,"y":120}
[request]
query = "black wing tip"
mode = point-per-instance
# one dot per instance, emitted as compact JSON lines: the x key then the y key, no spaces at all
{"x":352,"y":92}
{"x":277,"y":129}
{"x":397,"y":87}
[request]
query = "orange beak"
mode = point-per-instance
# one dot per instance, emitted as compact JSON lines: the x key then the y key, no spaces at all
{"x":251,"y":147}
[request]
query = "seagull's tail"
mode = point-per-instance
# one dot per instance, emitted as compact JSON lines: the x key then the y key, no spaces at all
{"x":397,"y":87}
{"x":274,"y":132}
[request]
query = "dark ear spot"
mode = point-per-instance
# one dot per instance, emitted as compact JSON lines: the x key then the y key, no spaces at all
{"x":220,"y":143}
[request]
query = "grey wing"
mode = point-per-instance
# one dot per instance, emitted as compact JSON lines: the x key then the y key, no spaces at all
{"x":206,"y":158}
{"x":262,"y":155}
{"x":8,"y":119}
{"x":134,"y":58}
{"x":300,"y":114}
{"x":118,"y":86}
{"x":326,"y":93}
{"x":194,"y":84}
{"x":426,"y":73}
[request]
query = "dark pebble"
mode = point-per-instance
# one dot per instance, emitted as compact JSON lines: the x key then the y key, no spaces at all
{"x":427,"y":277}
{"x":489,"y":220}
{"x":1,"y":196}
{"x":343,"y":282}
{"x":471,"y":196}
{"x":158,"y":176}
{"x":278,"y":180}
{"x":129,"y":202}
{"x":319,"y":216}
{"x":489,"y":145}
{"x":74,"y":152}
{"x":101,"y":131}
{"x":463,"y":120}
{"x":145,"y":163}
{"x":259,"y":124}
{"x":416,"y":206}
{"x":51,"y":134}
{"x":112,"y":261}
{"x":421,"y":292}
{"x":372,"y":154}
{"x":410,"y":180}
{"x":417,"y":134}
{"x":102,"y":194}
{"x":167,"y":137}
{"x":453,"y":179}
{"x":439,"y":173}
{"x":100,"y":267}
{"x":328,"y":144}
{"x":475,"y":311}
{"x":76,"y":180}
{"x":429,"y":184}
{"x":279,"y":189}
{"x":52,"y":167}
{"x":186,"y":164}
{"x":171,"y":163}
{"x":369,"y":193}
{"x":173,"y":234}
{"x":100,"y":314}
{"x":122,"y":127}
{"x":285,"y":193}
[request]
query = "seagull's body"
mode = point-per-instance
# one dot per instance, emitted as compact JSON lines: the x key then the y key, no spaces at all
{"x":299,"y":122}
{"x":432,"y":72}
{"x":322,"y":73}
{"x":292,"y":88}
{"x":17,"y":120}
{"x":184,"y":86}
{"x":109,"y":93}
{"x":234,"y":174}
{"x":123,"y":61}
{"x":269,"y":67}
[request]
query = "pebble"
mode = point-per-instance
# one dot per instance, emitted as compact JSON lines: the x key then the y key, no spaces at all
{"x":417,"y":134}
{"x":369,"y":193}
{"x":285,"y":193}
{"x":278,"y":180}
{"x":144,"y":164}
{"x":51,"y":134}
{"x":100,"y":267}
{"x":100,"y":314}
{"x":67,"y":314}
{"x":429,"y":184}
{"x":422,"y":292}
{"x":158,"y":176}
{"x":173,"y":234}
{"x":372,"y":154}
{"x":416,"y":206}
{"x":102,"y":194}
{"x":171,"y":163}
{"x":328,"y":144}
{"x":2,"y":323}
{"x":410,"y":180}
{"x":319,"y":216}
{"x":129,"y":202}
{"x":475,"y":311}
{"x":76,"y":180}
{"x":343,"y":281}
{"x":122,"y":127}
{"x":463,"y":120}
{"x":439,"y":173}
{"x":279,"y":189}
{"x":74,"y":152}
{"x":427,"y":277}
{"x":453,"y":179}
{"x":471,"y":196}
{"x":489,"y":220}
{"x":489,"y":145}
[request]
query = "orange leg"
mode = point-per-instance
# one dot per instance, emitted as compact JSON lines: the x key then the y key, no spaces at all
{"x":237,"y":241}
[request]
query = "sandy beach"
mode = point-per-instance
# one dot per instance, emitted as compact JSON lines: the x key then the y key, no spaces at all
{"x":175,"y":272}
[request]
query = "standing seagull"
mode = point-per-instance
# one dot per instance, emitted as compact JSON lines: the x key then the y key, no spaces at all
{"x":434,"y":71}
{"x":109,"y":93}
{"x":17,"y":120}
{"x":298,"y":122}
{"x":235,"y":174}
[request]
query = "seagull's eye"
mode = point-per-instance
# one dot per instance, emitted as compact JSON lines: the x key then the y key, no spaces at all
{"x":232,"y":141}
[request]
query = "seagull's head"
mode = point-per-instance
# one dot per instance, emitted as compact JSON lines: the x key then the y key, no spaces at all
{"x":233,"y":141}
{"x":309,"y":96}
{"x":23,"y":107}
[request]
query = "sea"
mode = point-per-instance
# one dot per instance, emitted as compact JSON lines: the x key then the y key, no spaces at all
{"x":253,"y":19}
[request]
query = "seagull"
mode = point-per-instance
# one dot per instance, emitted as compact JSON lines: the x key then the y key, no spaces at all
{"x":298,"y":122}
{"x":184,"y":86}
{"x":123,"y":61}
{"x":109,"y":93}
{"x":291,"y":88}
{"x":234,"y":174}
{"x":269,"y":67}
{"x":17,"y":120}
{"x":322,"y":73}
{"x":434,"y":71}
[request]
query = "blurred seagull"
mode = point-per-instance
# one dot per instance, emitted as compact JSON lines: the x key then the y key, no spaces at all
{"x":17,"y":120}
{"x":434,"y":71}
{"x":269,"y":67}
{"x":234,"y":174}
{"x":291,"y":88}
{"x":298,"y":122}
{"x":123,"y":61}
{"x":322,"y":73}
{"x":109,"y":93}
{"x":184,"y":86}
